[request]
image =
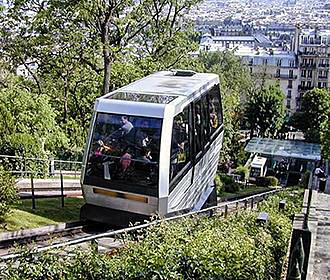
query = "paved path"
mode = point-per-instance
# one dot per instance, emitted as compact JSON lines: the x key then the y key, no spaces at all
{"x":321,"y":270}
{"x":49,"y":187}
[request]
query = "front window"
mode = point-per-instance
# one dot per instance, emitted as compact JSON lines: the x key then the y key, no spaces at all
{"x":124,"y":152}
{"x":255,"y":172}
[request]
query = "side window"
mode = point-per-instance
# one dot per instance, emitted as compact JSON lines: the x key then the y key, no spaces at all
{"x":215,"y":110}
{"x":180,"y":146}
{"x":197,"y":127}
{"x":205,"y":121}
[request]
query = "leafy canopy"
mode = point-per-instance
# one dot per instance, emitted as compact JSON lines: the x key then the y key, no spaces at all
{"x":27,"y":123}
{"x":265,"y":110}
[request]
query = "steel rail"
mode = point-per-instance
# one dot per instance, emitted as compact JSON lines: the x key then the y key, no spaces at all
{"x":135,"y":228}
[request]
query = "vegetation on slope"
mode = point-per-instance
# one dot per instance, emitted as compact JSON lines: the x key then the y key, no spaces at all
{"x":193,"y":248}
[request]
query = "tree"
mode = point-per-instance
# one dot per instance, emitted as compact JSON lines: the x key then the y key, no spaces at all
{"x":27,"y":122}
{"x":315,"y":111}
{"x":265,"y":110}
{"x":8,"y":193}
{"x":101,"y":32}
{"x":325,"y":137}
{"x":83,"y":48}
{"x":235,"y":83}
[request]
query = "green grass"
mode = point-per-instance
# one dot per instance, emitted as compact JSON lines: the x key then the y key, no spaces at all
{"x":244,"y":191}
{"x":47,"y":212}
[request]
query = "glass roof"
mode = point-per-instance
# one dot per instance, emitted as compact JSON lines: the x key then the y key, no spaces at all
{"x":284,"y":148}
{"x":139,"y":97}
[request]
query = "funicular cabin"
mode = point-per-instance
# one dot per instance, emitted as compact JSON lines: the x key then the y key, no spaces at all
{"x":153,"y":148}
{"x":288,"y":160}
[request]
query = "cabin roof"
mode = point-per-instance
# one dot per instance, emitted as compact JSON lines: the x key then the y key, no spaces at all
{"x":284,"y":148}
{"x":163,"y":87}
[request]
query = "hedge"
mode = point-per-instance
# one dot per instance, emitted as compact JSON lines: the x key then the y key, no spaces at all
{"x":8,"y":193}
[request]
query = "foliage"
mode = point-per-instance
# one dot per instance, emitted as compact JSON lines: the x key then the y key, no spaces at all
{"x":265,"y":110}
{"x":235,"y":83}
{"x":273,"y":181}
{"x":297,"y":120}
{"x":267,"y":181}
{"x":325,"y":136}
{"x":8,"y":194}
{"x":219,"y":184}
{"x":243,"y":171}
{"x":74,"y":51}
{"x":316,"y":111}
{"x":192,"y":248}
{"x":27,"y":123}
{"x":229,"y":184}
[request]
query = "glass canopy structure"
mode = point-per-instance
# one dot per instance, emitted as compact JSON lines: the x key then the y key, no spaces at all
{"x":284,"y":148}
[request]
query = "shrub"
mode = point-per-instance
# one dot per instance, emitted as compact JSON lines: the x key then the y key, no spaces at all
{"x":8,"y":194}
{"x":266,"y":181}
{"x":272,"y":181}
{"x":229,"y":184}
{"x":219,"y":184}
{"x":192,"y":248}
{"x":242,"y":171}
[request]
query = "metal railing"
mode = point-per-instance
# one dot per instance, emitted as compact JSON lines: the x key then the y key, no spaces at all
{"x":25,"y":166}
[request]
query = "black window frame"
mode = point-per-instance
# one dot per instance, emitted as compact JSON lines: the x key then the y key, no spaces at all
{"x":119,"y":186}
{"x":190,"y":155}
{"x":197,"y":155}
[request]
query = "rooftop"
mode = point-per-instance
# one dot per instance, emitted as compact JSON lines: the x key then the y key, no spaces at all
{"x":284,"y":148}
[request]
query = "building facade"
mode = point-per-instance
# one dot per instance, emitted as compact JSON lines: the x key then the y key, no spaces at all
{"x":303,"y":66}
{"x":312,"y":48}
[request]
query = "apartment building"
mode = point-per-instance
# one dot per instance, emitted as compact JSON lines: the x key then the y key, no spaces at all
{"x":273,"y":64}
{"x":304,"y":66}
{"x":277,"y":66}
{"x":312,"y":48}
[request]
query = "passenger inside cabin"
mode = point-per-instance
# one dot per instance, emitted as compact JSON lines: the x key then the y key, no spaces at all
{"x":142,"y":136}
{"x":127,"y":125}
{"x":213,"y":116}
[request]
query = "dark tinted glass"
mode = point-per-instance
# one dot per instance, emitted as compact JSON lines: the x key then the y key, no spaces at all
{"x":205,"y":121}
{"x":124,"y":150}
{"x":138,"y":97}
{"x":215,"y":111}
{"x":180,"y":145}
{"x":198,"y":127}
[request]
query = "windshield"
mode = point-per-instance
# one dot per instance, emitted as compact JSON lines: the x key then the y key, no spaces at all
{"x":124,"y":152}
{"x":255,"y":172}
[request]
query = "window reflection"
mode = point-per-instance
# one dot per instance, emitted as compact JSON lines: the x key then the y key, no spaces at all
{"x":215,"y":109}
{"x":124,"y":149}
{"x":180,"y":147}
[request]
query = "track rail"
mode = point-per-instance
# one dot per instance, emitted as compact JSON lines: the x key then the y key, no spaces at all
{"x":227,"y":206}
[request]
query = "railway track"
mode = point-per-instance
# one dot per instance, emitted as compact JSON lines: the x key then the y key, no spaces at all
{"x":82,"y":234}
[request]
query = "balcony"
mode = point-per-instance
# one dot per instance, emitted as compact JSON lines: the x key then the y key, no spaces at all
{"x":324,"y":65}
{"x":309,"y":53}
{"x":323,"y":78}
{"x":285,"y":76}
{"x":308,"y":65}
{"x":309,"y":43}
{"x":304,"y":88}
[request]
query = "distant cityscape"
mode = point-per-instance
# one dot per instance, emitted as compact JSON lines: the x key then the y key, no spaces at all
{"x":262,"y":14}
{"x":287,"y":41}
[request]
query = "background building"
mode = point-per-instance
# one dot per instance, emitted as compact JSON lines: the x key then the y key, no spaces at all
{"x":299,"y":61}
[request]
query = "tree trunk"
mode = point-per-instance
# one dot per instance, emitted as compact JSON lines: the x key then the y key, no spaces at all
{"x":107,"y":71}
